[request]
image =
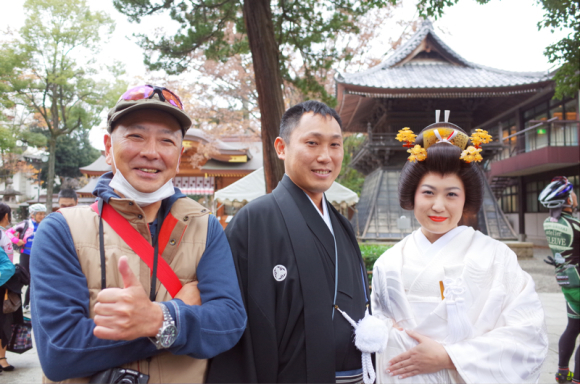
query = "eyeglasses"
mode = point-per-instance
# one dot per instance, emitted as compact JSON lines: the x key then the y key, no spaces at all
{"x":147,"y":91}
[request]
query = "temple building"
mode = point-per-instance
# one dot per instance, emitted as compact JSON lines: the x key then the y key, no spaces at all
{"x":535,"y":137}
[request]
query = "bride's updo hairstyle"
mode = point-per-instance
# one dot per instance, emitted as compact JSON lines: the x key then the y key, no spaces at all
{"x":443,"y":158}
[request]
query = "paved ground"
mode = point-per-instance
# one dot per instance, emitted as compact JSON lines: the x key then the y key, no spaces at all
{"x":28,"y":368}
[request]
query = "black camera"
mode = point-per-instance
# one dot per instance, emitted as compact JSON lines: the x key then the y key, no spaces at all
{"x":119,"y":376}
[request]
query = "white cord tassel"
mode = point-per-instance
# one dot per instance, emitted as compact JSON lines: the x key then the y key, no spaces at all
{"x":458,"y":324}
{"x":437,"y":114}
{"x":441,"y":139}
{"x":447,"y":116}
{"x":371,"y":336}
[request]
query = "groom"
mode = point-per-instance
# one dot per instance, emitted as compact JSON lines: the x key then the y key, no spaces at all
{"x":297,"y":258}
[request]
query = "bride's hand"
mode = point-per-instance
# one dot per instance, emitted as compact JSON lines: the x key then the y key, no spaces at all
{"x":427,"y":357}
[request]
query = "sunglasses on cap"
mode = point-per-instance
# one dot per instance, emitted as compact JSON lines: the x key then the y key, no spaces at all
{"x":147,"y":91}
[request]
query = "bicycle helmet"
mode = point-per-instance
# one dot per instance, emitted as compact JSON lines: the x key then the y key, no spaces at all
{"x":556,"y":194}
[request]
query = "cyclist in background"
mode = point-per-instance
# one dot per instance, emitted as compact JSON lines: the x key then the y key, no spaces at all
{"x":563,"y":233}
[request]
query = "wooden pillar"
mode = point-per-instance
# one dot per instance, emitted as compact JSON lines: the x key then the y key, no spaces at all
{"x":521,"y":139}
{"x":521,"y":209}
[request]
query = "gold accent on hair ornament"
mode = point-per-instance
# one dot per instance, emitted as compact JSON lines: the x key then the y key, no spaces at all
{"x":407,"y":136}
{"x":443,"y":134}
{"x":417,"y":153}
{"x":472,"y":153}
{"x":480,"y":137}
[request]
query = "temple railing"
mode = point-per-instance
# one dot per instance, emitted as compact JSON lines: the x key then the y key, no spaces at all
{"x":545,"y":133}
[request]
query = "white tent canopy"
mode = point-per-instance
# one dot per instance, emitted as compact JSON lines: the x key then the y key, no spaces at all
{"x":253,"y":186}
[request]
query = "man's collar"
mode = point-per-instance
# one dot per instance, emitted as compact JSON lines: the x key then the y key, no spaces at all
{"x":291,"y":185}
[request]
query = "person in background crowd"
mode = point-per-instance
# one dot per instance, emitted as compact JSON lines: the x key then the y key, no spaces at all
{"x":67,"y":198}
{"x":5,"y":318}
{"x":27,"y":230}
{"x":5,"y":240}
{"x":140,"y":285}
{"x":563,"y":234}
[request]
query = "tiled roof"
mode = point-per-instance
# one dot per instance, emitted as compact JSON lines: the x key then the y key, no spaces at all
{"x":254,"y":161}
{"x":99,"y":165}
{"x":435,"y":73}
{"x":90,"y":187}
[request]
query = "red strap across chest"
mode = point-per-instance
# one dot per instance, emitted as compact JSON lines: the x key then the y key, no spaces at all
{"x":141,"y":247}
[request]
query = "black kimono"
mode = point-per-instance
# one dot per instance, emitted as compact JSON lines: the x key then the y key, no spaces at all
{"x":285,"y":258}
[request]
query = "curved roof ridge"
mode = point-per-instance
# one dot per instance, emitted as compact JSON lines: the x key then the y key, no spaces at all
{"x":403,"y":51}
{"x":410,"y":45}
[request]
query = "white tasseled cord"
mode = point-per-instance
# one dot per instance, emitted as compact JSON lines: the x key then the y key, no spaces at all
{"x":371,"y":336}
{"x":458,"y":324}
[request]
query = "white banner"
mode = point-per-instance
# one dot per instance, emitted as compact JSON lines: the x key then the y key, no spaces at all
{"x":195,"y":185}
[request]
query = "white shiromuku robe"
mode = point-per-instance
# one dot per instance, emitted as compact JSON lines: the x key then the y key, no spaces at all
{"x":491,"y":321}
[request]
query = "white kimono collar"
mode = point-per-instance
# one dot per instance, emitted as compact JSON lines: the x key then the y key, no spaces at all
{"x":324,"y":214}
{"x":425,"y":245}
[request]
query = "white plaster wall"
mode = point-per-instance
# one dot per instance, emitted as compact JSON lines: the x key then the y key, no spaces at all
{"x":24,"y":185}
{"x":512,"y":218}
{"x":535,"y":228}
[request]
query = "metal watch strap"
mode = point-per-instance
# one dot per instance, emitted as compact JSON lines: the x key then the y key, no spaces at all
{"x":167,"y":322}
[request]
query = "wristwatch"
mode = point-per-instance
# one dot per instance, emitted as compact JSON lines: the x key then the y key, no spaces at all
{"x":167,"y":333}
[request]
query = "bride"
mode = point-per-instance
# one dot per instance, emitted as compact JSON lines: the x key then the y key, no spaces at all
{"x":457,"y":304}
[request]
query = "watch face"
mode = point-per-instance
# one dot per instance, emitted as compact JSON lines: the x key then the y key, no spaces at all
{"x":168,"y":336}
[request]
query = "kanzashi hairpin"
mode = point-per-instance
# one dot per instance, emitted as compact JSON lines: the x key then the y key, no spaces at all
{"x":407,"y":136}
{"x":444,"y":133}
{"x":480,"y":137}
{"x":417,"y":154}
{"x":472,"y":153}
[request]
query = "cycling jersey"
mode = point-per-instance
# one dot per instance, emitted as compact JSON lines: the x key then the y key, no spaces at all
{"x":564,"y":241}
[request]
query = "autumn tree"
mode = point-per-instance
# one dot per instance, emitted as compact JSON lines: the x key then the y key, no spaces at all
{"x":558,"y":14}
{"x":15,"y":138}
{"x":49,"y":69}
{"x":270,"y":31}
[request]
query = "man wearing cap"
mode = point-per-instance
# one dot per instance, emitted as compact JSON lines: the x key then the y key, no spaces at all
{"x":141,"y":285}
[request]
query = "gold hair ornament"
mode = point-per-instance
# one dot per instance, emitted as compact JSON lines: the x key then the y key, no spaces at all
{"x":472,"y":153}
{"x":480,"y":137}
{"x":417,"y":153}
{"x":444,"y":135}
{"x":407,"y":136}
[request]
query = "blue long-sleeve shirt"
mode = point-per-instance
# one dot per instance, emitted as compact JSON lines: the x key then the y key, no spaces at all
{"x":60,"y":308}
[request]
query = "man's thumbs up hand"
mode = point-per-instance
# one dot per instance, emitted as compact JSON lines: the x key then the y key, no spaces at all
{"x":129,"y":278}
{"x":126,"y":314}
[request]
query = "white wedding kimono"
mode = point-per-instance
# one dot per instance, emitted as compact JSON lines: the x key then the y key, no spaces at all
{"x":491,"y":321}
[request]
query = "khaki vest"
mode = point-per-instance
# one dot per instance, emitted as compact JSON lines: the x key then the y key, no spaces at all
{"x":183,"y":252}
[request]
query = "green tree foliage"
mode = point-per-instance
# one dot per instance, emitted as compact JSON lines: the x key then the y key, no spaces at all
{"x":349,"y":177}
{"x":370,"y":254}
{"x":72,"y":152}
{"x":276,"y":33}
{"x":564,"y":14}
{"x":558,"y":14}
{"x":49,"y":69}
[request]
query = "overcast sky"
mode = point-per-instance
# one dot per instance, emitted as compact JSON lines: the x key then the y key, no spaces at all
{"x":501,"y":34}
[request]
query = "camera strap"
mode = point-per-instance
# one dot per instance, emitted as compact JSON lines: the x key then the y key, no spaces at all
{"x":139,"y":245}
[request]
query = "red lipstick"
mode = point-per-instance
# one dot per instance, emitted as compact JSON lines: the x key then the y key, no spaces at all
{"x":438,"y":219}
